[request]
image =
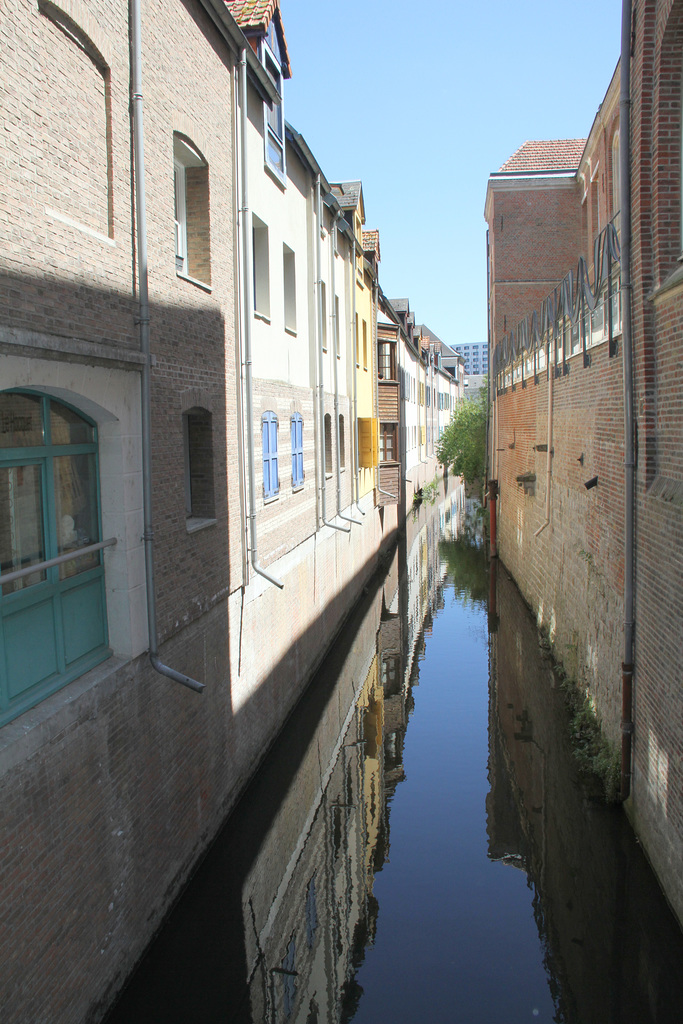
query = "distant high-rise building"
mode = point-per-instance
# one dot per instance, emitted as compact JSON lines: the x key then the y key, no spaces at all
{"x":476,"y":357}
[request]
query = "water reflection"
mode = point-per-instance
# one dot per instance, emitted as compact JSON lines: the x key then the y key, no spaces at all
{"x":613,"y":951}
{"x":299,"y":915}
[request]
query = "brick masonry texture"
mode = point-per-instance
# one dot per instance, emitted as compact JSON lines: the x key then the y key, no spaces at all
{"x":572,"y":574}
{"x":112,"y":788}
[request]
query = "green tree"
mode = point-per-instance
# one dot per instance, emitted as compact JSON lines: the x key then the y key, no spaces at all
{"x":462,"y":446}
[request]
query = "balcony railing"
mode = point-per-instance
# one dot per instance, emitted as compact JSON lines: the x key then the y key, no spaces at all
{"x":575,"y":317}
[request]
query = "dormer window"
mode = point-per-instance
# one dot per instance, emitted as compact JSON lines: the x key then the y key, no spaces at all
{"x":273,"y":116}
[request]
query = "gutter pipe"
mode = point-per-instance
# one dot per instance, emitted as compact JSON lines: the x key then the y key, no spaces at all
{"x":549,"y":435}
{"x":627,"y":350}
{"x":246,"y":359}
{"x":337,"y":350}
{"x":321,"y":364}
{"x":356,"y":463}
{"x":146,"y":403}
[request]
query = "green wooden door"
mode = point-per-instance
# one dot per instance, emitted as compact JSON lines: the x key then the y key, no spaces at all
{"x":53,"y":623}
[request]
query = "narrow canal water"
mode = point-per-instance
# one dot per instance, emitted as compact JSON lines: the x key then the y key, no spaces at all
{"x":418,"y":846}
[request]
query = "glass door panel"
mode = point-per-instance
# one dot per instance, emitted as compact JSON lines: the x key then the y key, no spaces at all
{"x":22,"y":542}
{"x":76,"y":510}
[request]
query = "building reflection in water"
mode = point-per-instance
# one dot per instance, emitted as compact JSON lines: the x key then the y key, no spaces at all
{"x":308,"y":904}
{"x":276,"y":924}
{"x":613,"y":952}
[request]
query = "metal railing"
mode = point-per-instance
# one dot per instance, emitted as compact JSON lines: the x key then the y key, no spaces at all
{"x":17,"y":574}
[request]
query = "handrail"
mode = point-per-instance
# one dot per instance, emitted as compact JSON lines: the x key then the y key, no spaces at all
{"x":40,"y":566}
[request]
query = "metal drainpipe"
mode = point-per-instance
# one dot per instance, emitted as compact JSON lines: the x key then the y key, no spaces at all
{"x":245,"y":355}
{"x":356,"y":460}
{"x":337,"y":347}
{"x":549,"y":435}
{"x":375,"y":303}
{"x":321,"y":364}
{"x":146,"y":403}
{"x":627,"y":347}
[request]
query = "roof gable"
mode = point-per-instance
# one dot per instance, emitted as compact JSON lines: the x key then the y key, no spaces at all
{"x":545,"y":155}
{"x":254,"y":18}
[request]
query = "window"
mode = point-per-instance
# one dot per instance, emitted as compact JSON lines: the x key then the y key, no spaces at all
{"x":365,"y":345}
{"x":261,"y":267}
{"x":357,"y":343}
{"x":199,"y":490}
{"x":273,"y":116}
{"x":342,"y":444}
{"x":191,"y":189}
{"x":271,"y":479}
{"x":337,"y":347}
{"x":75,"y":97}
{"x":328,"y":444}
{"x":297,"y":441}
{"x":53,"y":622}
{"x":386,"y":361}
{"x":387,"y":442}
{"x":289,"y":277}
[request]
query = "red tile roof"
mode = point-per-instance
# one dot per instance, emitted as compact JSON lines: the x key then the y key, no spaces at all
{"x":371,"y":242}
{"x":255,"y":14}
{"x":254,"y":17}
{"x":546,"y":155}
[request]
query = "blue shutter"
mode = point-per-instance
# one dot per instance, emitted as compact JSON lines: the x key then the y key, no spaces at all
{"x":296,"y":428}
{"x":271,"y":484}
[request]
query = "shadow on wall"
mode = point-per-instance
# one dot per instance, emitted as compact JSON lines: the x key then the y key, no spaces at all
{"x":123,"y":777}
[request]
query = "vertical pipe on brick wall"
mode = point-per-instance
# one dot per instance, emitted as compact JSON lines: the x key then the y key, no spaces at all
{"x":627,"y":351}
{"x":549,"y":438}
{"x":245,"y":355}
{"x":337,"y":350}
{"x":356,"y":458}
{"x":321,"y":359}
{"x":146,"y":390}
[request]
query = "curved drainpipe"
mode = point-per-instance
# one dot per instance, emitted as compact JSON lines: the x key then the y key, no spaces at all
{"x":627,"y":351}
{"x":146,"y":403}
{"x":337,"y":347}
{"x":549,"y":435}
{"x":245,"y":355}
{"x":321,"y":363}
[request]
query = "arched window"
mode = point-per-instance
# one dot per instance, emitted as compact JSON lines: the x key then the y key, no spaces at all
{"x":53,"y":624}
{"x":192,"y":225}
{"x":342,"y":444}
{"x":199,"y":490}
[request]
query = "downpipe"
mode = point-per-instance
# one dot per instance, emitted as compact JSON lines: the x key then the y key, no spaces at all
{"x":321,"y":363}
{"x":356,"y":458}
{"x":549,"y":435}
{"x":627,"y":349}
{"x":337,"y":349}
{"x":146,"y":400}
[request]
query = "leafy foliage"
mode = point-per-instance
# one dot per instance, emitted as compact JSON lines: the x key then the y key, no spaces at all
{"x":463,"y":443}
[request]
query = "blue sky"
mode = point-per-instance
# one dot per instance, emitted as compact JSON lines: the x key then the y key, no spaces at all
{"x":423,"y":110}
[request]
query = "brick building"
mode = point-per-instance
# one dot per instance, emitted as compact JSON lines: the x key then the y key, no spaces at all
{"x":113,"y":777}
{"x":561,"y":335}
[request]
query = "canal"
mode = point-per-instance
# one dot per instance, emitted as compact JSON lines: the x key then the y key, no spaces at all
{"x":419,"y":845}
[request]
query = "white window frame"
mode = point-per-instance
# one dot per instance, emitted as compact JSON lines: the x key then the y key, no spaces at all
{"x":270,"y":136}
